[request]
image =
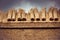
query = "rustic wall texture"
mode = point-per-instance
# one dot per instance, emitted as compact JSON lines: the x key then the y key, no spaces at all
{"x":20,"y":19}
{"x":29,"y":18}
{"x":29,"y":34}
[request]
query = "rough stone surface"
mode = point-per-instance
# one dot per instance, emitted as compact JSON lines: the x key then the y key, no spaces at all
{"x":29,"y":34}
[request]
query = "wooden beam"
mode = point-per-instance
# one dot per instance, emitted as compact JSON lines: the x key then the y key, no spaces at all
{"x":32,"y":15}
{"x":9,"y":16}
{"x":36,"y":14}
{"x":50,"y":12}
{"x":19,"y":15}
{"x":23,"y":16}
{"x":55,"y":13}
{"x":14,"y":15}
{"x":43,"y":14}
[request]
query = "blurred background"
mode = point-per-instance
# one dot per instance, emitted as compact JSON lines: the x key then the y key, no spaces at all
{"x":27,"y":4}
